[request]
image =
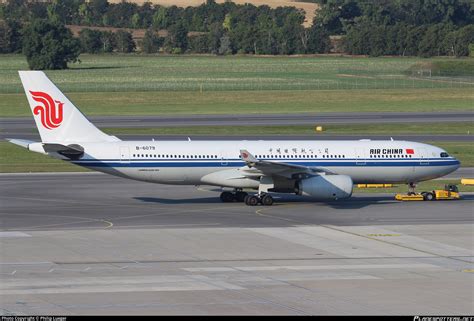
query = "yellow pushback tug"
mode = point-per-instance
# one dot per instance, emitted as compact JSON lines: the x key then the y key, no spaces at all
{"x":450,"y":192}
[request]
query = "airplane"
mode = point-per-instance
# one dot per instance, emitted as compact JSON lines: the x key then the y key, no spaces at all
{"x":318,"y":169}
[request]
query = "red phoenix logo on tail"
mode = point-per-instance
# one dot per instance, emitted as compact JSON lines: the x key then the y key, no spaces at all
{"x":51,"y":117}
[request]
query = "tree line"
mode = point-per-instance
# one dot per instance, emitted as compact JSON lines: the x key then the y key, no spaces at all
{"x":225,"y":28}
{"x":423,"y":28}
{"x":368,"y":27}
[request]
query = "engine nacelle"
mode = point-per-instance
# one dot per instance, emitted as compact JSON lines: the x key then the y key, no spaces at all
{"x":325,"y":187}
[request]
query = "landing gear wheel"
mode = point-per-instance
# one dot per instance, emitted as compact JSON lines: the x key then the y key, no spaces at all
{"x":240,"y":196}
{"x":267,"y":200}
{"x":227,"y":197}
{"x":251,"y":200}
{"x":429,"y":196}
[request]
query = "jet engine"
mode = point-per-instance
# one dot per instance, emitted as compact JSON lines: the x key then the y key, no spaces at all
{"x":325,"y":187}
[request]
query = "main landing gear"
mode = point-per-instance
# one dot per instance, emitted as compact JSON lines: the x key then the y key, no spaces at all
{"x":264,"y":199}
{"x":228,"y":197}
{"x":251,"y":200}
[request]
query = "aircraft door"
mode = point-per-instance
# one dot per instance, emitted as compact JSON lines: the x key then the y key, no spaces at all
{"x":124,"y":154}
{"x":225,"y":157}
{"x":360,"y":156}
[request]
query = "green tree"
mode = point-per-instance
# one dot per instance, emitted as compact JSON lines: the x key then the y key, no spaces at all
{"x":124,"y":41}
{"x":215,"y":34}
{"x":136,"y":23}
{"x":457,"y":42}
{"x":65,"y":11}
{"x":4,"y":41}
{"x":90,"y":40}
{"x":177,"y":38}
{"x":49,"y":45}
{"x":98,"y":9}
{"x":334,"y":13}
{"x":10,"y":36}
{"x":198,"y":44}
{"x":151,"y":42}
{"x":159,"y":19}
{"x":318,"y":40}
{"x":108,"y":41}
{"x":432,"y":41}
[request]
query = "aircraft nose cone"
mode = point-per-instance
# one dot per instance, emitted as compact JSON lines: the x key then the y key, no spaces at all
{"x":455,"y":166}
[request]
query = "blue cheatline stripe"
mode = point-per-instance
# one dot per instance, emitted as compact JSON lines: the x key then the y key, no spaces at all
{"x":264,"y":159}
{"x":97,"y":163}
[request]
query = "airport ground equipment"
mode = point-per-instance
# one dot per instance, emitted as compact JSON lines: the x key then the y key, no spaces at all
{"x":375,"y":185}
{"x":467,"y":181}
{"x":450,"y":192}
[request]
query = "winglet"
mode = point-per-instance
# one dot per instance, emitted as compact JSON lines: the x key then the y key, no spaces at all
{"x":247,"y":157}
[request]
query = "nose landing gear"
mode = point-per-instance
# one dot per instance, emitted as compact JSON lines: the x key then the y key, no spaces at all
{"x":411,"y":189}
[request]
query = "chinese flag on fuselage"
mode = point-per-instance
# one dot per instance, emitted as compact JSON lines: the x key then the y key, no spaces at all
{"x":410,"y":151}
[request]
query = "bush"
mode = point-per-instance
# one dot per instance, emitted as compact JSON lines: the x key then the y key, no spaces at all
{"x":49,"y":45}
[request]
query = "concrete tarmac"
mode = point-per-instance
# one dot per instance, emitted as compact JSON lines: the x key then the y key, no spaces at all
{"x":95,"y":244}
{"x":258,"y":119}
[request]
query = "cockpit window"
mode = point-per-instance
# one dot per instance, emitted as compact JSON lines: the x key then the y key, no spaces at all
{"x":443,"y":154}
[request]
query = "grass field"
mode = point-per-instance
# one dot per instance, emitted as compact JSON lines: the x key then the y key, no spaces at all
{"x":135,"y":72}
{"x":154,"y":84}
{"x":169,"y":103}
{"x":251,"y":102}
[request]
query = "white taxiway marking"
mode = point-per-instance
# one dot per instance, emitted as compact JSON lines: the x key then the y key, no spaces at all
{"x":311,"y":267}
{"x":14,"y":234}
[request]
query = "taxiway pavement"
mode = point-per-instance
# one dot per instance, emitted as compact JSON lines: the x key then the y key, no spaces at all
{"x":259,"y":119}
{"x":95,"y":244}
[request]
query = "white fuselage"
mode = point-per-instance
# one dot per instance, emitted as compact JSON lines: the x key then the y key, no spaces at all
{"x":196,"y":162}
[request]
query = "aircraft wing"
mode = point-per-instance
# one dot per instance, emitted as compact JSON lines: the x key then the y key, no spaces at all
{"x":266,"y":167}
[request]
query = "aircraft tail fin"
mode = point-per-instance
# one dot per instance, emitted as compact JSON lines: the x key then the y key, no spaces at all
{"x":57,"y":119}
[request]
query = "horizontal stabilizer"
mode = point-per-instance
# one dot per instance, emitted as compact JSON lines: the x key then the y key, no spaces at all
{"x":73,"y":151}
{"x":20,"y":142}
